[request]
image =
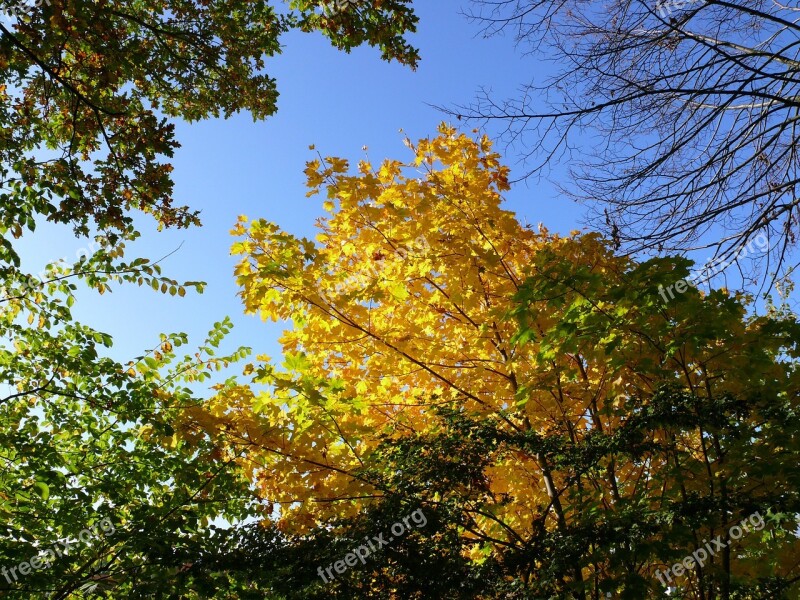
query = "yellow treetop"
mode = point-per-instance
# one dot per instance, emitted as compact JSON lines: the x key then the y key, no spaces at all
{"x":403,"y":303}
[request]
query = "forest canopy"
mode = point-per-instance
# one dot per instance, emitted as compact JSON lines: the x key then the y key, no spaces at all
{"x":459,"y":404}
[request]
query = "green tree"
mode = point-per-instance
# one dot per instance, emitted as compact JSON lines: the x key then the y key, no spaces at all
{"x":87,"y":444}
{"x":90,"y":92}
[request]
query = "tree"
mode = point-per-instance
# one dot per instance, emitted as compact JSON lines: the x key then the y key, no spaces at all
{"x":97,"y":492}
{"x":90,"y":458}
{"x":580,"y":433}
{"x":678,"y":118}
{"x":89,"y":90}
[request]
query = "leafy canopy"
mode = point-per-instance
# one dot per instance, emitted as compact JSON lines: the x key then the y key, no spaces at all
{"x":580,"y":433}
{"x":90,"y":91}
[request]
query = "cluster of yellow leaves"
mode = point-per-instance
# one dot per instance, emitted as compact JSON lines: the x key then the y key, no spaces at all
{"x":401,"y":303}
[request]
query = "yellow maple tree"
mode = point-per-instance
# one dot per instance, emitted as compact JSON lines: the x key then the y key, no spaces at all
{"x":403,"y":303}
{"x":400,"y":305}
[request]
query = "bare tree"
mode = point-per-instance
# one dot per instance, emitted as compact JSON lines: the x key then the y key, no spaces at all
{"x":693,"y":107}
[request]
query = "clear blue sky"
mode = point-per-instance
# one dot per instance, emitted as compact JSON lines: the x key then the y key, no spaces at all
{"x":338,"y":102}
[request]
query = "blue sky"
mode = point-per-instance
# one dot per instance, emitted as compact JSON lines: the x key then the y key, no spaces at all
{"x":225,"y":168}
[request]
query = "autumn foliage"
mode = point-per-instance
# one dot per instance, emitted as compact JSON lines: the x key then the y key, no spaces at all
{"x":586,"y":433}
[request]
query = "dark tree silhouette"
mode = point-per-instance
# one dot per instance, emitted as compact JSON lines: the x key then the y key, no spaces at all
{"x":692,"y":108}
